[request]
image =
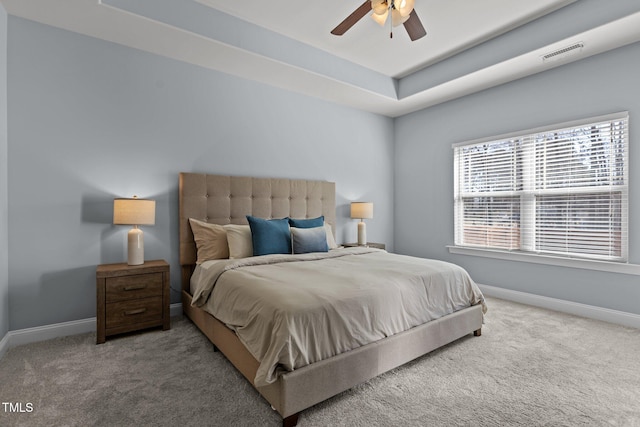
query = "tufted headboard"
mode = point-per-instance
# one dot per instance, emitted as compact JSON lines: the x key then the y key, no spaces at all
{"x":221,"y":199}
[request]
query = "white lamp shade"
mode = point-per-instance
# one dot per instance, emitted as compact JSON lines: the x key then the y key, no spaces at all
{"x":400,"y":12}
{"x":397,"y":18}
{"x":379,"y":6}
{"x":361,"y":210}
{"x":380,"y":18}
{"x":134,"y":211}
{"x":405,"y":7}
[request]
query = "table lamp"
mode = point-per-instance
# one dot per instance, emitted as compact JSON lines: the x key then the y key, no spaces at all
{"x":362,"y":210}
{"x":134,"y":212}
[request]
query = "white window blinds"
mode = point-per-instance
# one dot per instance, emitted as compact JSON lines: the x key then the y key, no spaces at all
{"x":557,"y":190}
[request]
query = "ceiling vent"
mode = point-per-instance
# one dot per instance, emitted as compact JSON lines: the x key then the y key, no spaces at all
{"x":564,"y":52}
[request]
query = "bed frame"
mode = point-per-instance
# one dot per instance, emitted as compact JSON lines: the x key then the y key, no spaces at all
{"x":226,"y":200}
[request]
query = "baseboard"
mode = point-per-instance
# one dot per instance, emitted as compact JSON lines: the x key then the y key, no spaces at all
{"x":47,"y":332}
{"x":4,"y":345}
{"x":42,"y":333}
{"x":578,"y":309}
{"x":175,"y":309}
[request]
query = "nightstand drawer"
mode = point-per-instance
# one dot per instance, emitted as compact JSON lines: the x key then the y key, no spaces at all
{"x":133,"y":287}
{"x":134,"y":311}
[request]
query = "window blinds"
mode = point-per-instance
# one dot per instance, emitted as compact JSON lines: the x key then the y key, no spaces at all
{"x":557,"y":190}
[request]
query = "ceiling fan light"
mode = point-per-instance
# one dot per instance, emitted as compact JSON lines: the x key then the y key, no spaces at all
{"x":397,"y":18}
{"x":405,"y":7}
{"x":380,"y":7}
{"x":380,"y":18}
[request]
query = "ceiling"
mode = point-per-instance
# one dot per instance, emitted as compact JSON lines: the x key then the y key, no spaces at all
{"x":452,"y":26}
{"x":292,"y":48}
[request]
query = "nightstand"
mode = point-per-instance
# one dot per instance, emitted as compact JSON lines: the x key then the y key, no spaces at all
{"x":131,"y":297}
{"x":368,"y":245}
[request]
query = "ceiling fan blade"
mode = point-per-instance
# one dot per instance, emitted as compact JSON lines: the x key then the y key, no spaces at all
{"x":414,"y":27}
{"x":351,"y":20}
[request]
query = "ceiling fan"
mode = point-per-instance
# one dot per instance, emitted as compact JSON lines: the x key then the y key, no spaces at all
{"x":401,"y":12}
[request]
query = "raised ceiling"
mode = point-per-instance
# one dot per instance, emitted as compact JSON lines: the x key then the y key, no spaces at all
{"x":452,"y":26}
{"x":289,"y":45}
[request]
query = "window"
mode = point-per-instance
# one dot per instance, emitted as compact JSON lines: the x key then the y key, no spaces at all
{"x":559,"y":190}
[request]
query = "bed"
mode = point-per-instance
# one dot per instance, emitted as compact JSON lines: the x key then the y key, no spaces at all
{"x":222,"y":200}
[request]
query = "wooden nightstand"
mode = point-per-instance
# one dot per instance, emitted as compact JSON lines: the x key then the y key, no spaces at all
{"x":131,"y":297}
{"x":368,"y":245}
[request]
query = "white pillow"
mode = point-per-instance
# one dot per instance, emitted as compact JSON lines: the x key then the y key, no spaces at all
{"x":331,"y":241}
{"x":239,"y":238}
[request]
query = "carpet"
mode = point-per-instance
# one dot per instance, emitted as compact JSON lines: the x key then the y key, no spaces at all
{"x":530,"y":367}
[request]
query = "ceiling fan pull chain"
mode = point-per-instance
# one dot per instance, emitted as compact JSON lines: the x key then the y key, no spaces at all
{"x":391,"y":19}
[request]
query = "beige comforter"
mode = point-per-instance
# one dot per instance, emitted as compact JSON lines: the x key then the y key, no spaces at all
{"x":293,"y":310}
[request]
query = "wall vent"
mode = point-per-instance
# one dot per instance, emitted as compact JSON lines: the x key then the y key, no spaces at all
{"x":565,"y":51}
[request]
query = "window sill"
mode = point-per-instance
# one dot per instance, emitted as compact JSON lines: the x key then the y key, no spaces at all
{"x":612,"y":267}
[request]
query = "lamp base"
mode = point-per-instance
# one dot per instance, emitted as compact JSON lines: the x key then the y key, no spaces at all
{"x":135,"y":246}
{"x":362,"y":233}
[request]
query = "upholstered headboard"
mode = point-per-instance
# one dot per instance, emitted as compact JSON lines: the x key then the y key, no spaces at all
{"x":221,"y":199}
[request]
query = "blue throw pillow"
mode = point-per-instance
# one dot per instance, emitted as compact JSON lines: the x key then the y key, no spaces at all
{"x":305,"y":240}
{"x":270,"y":236}
{"x":307,"y":223}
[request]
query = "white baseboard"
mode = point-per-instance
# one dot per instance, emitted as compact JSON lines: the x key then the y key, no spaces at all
{"x":578,"y":309}
{"x":47,"y":332}
{"x":175,"y":309}
{"x":42,"y":333}
{"x":4,"y":345}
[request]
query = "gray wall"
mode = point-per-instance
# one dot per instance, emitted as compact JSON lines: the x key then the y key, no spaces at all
{"x":424,"y":170}
{"x":4,"y":248}
{"x":91,"y":120}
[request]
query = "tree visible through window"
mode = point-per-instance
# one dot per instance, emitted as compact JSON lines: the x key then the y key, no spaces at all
{"x":558,"y":190}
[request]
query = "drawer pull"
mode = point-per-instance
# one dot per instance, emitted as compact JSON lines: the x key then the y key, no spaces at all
{"x":134,"y":288}
{"x":132,"y":312}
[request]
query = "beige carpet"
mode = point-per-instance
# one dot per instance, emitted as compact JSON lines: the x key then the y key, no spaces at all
{"x":530,"y":367}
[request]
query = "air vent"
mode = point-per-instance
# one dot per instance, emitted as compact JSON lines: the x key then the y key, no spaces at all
{"x":565,"y":51}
